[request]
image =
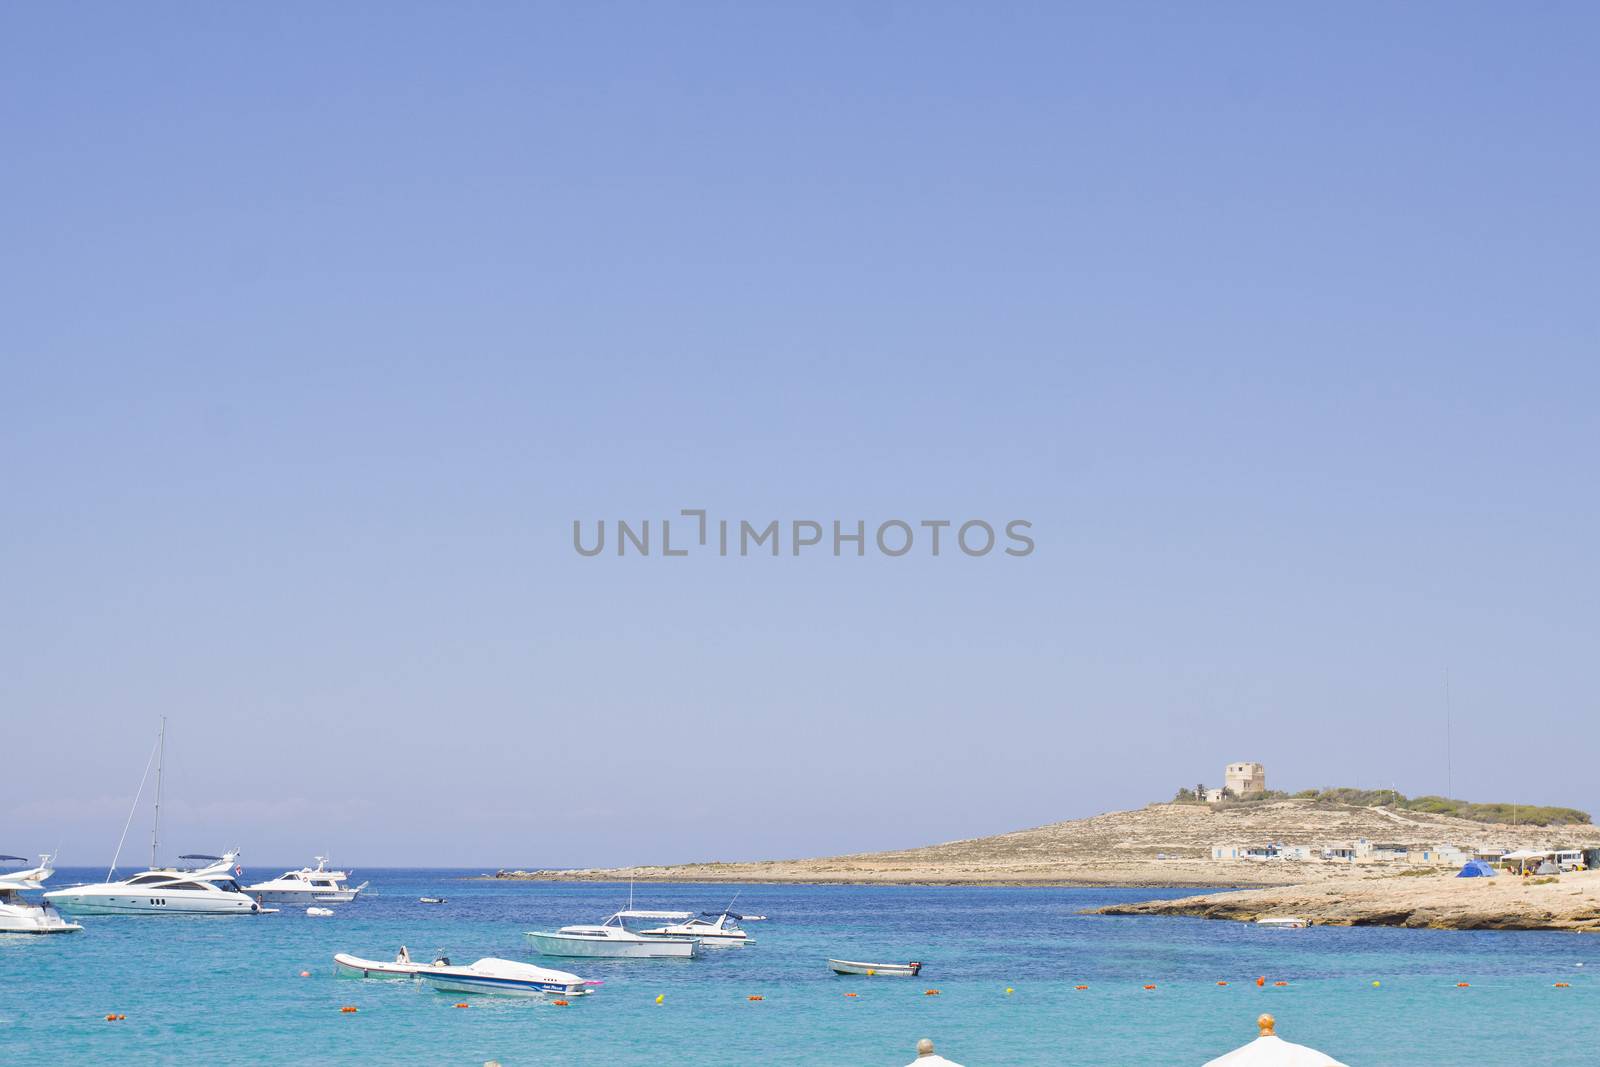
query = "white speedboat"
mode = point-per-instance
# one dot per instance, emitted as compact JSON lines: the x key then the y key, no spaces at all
{"x":506,"y":977}
{"x":19,"y":915}
{"x":308,"y":885}
{"x":612,"y":940}
{"x":402,"y":966}
{"x":204,"y":890}
{"x":892,"y":970}
{"x":1284,"y":922}
{"x":718,"y":928}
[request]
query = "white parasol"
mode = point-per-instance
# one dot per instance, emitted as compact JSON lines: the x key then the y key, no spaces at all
{"x":1270,"y":1050}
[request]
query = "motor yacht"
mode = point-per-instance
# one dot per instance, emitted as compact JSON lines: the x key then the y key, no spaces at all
{"x":709,"y":928}
{"x":208,"y":889}
{"x":613,"y":940}
{"x":19,"y":915}
{"x":308,"y":885}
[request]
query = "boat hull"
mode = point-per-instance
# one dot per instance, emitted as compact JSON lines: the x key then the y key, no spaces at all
{"x":508,"y":987}
{"x":356,"y":967}
{"x":706,"y":940}
{"x":300,"y":896}
{"x":611,"y":948}
{"x":179,"y":902}
{"x":34,"y":920}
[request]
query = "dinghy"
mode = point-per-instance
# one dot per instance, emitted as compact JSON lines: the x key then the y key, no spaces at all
{"x":892,"y":970}
{"x":402,"y":966}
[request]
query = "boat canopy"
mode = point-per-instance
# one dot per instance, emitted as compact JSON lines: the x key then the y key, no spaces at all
{"x":631,"y":914}
{"x":13,"y":859}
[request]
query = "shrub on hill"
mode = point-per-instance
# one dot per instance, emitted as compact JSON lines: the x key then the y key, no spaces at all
{"x":1521,"y":814}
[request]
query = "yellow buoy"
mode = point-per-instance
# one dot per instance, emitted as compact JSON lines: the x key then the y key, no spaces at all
{"x":1008,"y":991}
{"x":660,"y":997}
{"x":1376,"y":983}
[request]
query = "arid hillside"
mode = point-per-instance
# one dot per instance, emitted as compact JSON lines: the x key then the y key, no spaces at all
{"x":1158,"y":845}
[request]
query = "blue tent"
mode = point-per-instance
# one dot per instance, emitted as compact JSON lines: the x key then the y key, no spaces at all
{"x":1476,"y":869}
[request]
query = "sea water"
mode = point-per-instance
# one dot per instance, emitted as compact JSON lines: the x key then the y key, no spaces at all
{"x":229,"y":990}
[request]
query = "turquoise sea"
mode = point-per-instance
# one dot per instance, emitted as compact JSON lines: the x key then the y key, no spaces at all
{"x":224,"y":991}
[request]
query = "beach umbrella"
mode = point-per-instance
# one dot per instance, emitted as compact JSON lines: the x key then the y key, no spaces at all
{"x":926,"y":1057}
{"x":1270,"y":1050}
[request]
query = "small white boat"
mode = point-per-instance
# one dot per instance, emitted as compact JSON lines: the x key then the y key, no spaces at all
{"x":505,"y":977}
{"x":1284,"y":922}
{"x":402,"y":966}
{"x":431,"y":900}
{"x":321,"y":913}
{"x":722,"y":929}
{"x":612,"y":940}
{"x":311,"y":884}
{"x":19,"y":915}
{"x":893,"y":970}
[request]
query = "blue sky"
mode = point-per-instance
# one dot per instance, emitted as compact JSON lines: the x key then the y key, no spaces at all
{"x":323,"y":326}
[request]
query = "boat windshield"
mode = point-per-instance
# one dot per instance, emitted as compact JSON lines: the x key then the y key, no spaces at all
{"x":228,"y":885}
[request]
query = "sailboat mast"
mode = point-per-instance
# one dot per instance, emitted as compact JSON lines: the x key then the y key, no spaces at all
{"x":155,"y":830}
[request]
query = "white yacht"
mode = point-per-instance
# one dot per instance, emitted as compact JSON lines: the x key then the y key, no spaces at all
{"x":309,"y":885}
{"x":210,"y":889}
{"x":19,"y":915}
{"x":613,"y":940}
{"x":716,"y":928}
{"x":206,"y":888}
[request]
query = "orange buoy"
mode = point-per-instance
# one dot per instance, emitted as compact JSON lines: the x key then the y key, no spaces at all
{"x":557,"y":1003}
{"x":463,"y":1004}
{"x":1080,"y":987}
{"x":755,"y":998}
{"x":1280,"y":983}
{"x":1261,"y":981}
{"x":930,"y":992}
{"x":1463,"y":985}
{"x":111,"y":1018}
{"x":1150,"y":986}
{"x":852,"y":994}
{"x":305,"y":974}
{"x":1222,"y":983}
{"x":348,"y":1009}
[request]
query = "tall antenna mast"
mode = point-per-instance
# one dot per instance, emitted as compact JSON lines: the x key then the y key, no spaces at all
{"x":1449,"y":763}
{"x":155,"y":831}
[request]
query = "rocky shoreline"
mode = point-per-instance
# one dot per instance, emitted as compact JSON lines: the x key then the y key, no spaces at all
{"x":1434,"y":901}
